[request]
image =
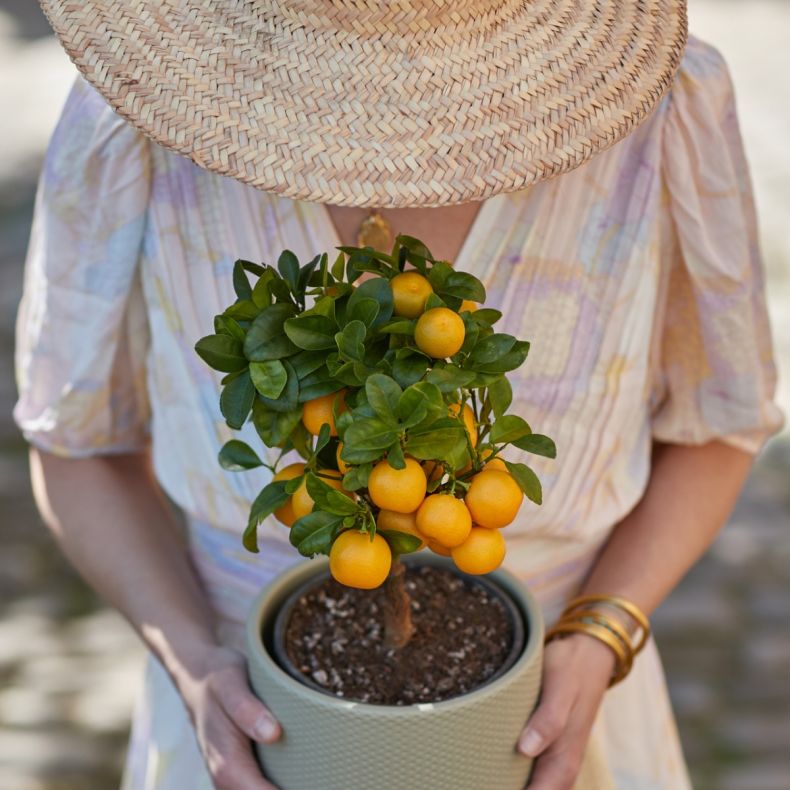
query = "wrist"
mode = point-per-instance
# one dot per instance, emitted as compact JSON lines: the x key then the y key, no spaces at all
{"x":186,"y":656}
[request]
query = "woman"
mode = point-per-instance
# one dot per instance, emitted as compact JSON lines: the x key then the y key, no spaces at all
{"x":636,"y":276}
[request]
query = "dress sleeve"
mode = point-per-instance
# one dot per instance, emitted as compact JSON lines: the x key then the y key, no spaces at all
{"x":716,"y":376}
{"x":82,"y":334}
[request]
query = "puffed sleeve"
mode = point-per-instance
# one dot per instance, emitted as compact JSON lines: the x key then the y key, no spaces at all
{"x":82,"y":335}
{"x":716,"y":374}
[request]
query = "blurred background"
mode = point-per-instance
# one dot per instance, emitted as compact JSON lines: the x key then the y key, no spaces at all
{"x":69,"y":667}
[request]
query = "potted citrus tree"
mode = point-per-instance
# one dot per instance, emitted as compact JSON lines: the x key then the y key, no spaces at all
{"x":393,"y":664}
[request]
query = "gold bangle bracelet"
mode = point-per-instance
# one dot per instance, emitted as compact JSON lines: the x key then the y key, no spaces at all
{"x":618,"y":602}
{"x":594,"y":616}
{"x":624,"y":657}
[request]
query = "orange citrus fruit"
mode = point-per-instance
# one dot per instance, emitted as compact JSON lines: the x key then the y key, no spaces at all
{"x":400,"y":522}
{"x":467,"y":305}
{"x":401,"y":490}
{"x":482,"y":552}
{"x":493,"y":498}
{"x":437,"y":547}
{"x":445,"y":519}
{"x":318,"y":411}
{"x":410,"y":291}
{"x":439,"y":333}
{"x":468,"y":418}
{"x":285,"y":514}
{"x":357,"y":561}
{"x":495,"y":463}
{"x":301,"y":501}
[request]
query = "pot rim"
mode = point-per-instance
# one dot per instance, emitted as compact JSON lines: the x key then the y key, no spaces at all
{"x":301,"y":572}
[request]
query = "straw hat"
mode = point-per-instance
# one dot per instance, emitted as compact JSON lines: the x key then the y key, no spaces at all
{"x":375,"y":103}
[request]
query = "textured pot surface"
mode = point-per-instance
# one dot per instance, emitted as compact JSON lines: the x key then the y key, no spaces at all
{"x":465,"y":743}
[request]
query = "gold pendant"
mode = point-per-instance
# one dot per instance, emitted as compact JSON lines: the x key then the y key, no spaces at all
{"x":375,"y":232}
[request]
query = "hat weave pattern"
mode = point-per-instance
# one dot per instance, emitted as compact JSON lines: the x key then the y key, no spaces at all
{"x":386,"y":104}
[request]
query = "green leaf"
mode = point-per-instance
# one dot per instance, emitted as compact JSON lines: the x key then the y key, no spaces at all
{"x":527,"y":481}
{"x":509,"y":428}
{"x":439,"y":274}
{"x":306,"y":272}
{"x":357,"y":476}
{"x":327,"y":498}
{"x":324,"y":434}
{"x":464,"y":286}
{"x":311,"y":332}
{"x":320,"y":382}
{"x":450,"y":378}
{"x":436,"y":442}
{"x":400,"y":542}
{"x":313,"y":534}
{"x":383,"y":395}
{"x":399,"y":326}
{"x":409,"y":366}
{"x":365,"y":439}
{"x":288,"y":400}
{"x":395,"y":457}
{"x":225,"y":325}
{"x":274,"y":427}
{"x":510,"y":361}
{"x":537,"y":444}
{"x":350,"y":341}
{"x":254,"y":268}
{"x":243,"y":310}
{"x":365,"y":310}
{"x":338,"y":267}
{"x":270,"y":498}
{"x":412,"y":407}
{"x":236,"y":400}
{"x":221,"y":352}
{"x":266,"y":338}
{"x":262,"y":290}
{"x":378,"y":289}
{"x":413,"y":245}
{"x":489,"y":349}
{"x":236,"y":455}
{"x":269,"y":377}
{"x":500,"y":394}
{"x":306,"y":362}
{"x":288,"y":266}
{"x":241,"y":285}
{"x":486,"y":316}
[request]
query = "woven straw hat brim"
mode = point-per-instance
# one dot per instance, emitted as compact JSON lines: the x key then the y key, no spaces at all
{"x":365,"y":103}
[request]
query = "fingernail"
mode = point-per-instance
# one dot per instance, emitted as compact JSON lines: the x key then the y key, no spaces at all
{"x":530,"y":743}
{"x":265,"y":729}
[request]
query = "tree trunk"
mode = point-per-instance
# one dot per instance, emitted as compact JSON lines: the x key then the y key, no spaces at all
{"x":398,"y":628}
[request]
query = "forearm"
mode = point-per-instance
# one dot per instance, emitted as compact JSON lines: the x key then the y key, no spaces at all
{"x":691,"y":492}
{"x":116,"y":528}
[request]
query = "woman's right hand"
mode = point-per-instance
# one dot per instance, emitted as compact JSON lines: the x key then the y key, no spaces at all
{"x":226,"y":716}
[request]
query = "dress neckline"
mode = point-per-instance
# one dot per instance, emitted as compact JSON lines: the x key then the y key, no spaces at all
{"x":485,"y":213}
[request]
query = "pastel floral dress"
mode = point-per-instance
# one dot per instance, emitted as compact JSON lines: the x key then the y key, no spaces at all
{"x":636,"y":277}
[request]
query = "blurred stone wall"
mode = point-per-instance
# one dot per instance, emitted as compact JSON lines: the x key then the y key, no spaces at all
{"x":69,"y":667}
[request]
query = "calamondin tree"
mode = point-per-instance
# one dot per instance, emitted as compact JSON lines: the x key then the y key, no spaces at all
{"x":390,"y":384}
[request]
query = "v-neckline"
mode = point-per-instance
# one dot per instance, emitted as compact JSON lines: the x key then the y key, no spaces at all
{"x":485,"y":212}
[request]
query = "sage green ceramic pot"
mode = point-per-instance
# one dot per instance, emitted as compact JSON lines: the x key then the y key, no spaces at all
{"x":464,"y":743}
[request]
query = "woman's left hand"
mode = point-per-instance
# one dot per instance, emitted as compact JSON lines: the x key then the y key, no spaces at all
{"x":576,"y":673}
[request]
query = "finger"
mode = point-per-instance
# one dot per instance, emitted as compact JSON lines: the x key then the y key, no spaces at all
{"x":550,"y":717}
{"x":558,"y":767}
{"x":230,"y":758}
{"x":245,"y":710}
